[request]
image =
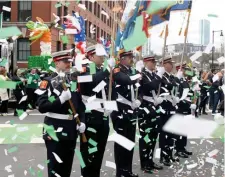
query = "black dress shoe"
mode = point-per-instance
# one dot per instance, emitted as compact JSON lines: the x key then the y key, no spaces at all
{"x":165,"y":162}
{"x":187,"y":152}
{"x":181,"y":154}
{"x":156,"y":166}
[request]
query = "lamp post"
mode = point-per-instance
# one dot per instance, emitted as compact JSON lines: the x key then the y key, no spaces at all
{"x":213,"y":48}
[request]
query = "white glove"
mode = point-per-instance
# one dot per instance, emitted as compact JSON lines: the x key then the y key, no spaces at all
{"x":111,"y":62}
{"x":158,"y":101}
{"x":193,"y":106}
{"x":176,"y":100}
{"x":135,"y":104}
{"x":160,"y":71}
{"x":81,"y":128}
{"x":66,"y":95}
{"x":180,"y":74}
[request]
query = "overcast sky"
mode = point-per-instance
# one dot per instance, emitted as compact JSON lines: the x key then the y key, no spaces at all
{"x":200,"y":10}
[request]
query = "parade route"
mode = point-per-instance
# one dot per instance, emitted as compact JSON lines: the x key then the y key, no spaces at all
{"x":29,"y":155}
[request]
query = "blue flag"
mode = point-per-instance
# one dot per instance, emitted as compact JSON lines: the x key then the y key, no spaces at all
{"x":186,"y":4}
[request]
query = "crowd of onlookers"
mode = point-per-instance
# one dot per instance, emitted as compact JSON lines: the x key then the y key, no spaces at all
{"x":27,"y":83}
{"x":211,"y":95}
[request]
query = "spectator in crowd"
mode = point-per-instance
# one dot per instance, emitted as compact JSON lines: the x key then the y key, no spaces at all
{"x":4,"y":93}
{"x":32,"y":84}
{"x":19,"y":92}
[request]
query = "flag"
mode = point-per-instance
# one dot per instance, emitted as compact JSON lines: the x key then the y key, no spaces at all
{"x":164,"y":14}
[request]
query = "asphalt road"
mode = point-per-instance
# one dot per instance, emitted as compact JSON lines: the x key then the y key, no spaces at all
{"x":28,"y":153}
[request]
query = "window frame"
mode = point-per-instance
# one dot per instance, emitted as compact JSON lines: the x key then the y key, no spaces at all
{"x":28,"y":51}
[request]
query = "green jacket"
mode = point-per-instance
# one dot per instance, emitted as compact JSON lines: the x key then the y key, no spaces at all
{"x":32,"y":80}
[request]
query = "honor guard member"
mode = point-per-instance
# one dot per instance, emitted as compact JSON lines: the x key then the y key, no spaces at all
{"x":148,"y":117}
{"x":96,"y":118}
{"x":124,"y":120}
{"x":53,"y":100}
{"x":168,"y":108}
{"x":184,"y":108}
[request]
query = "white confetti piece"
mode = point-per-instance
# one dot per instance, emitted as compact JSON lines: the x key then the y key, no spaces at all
{"x":24,"y":98}
{"x":121,"y":140}
{"x":99,"y":87}
{"x":40,"y":92}
{"x":110,"y":105}
{"x":11,"y":175}
{"x":91,"y":99}
{"x":105,"y":13}
{"x":6,"y":152}
{"x":211,"y":160}
{"x":193,"y":142}
{"x":25,"y":172}
{"x":60,"y":129}
{"x":8,"y":168}
{"x":14,"y":137}
{"x":82,"y":79}
{"x":135,"y":77}
{"x":213,"y":153}
{"x":57,"y":158}
{"x":196,"y":56}
{"x":110,"y":164}
{"x":8,"y":9}
{"x":40,"y":166}
{"x":209,"y":141}
{"x":23,"y":116}
{"x":208,"y":49}
{"x":157,"y":153}
{"x":56,"y":92}
{"x":52,"y":69}
{"x":15,"y":159}
{"x":189,"y":167}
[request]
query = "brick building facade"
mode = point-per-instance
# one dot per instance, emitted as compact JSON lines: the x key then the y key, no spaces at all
{"x":22,"y":11}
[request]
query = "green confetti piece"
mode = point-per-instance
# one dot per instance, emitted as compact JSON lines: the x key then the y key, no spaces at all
{"x":213,"y":15}
{"x":105,"y":65}
{"x":153,"y":120}
{"x":105,"y":118}
{"x":30,"y":80}
{"x":80,"y":158}
{"x":92,"y":142}
{"x":29,"y":105}
{"x":7,"y":32}
{"x":146,"y":138}
{"x":40,"y":174}
{"x":47,"y":161}
{"x":189,"y":73}
{"x":158,"y":111}
{"x":70,"y":111}
{"x":51,"y":132}
{"x":3,"y":62}
{"x":64,"y":134}
{"x":91,"y":130}
{"x":19,"y":112}
{"x":13,"y":149}
{"x":92,"y":67}
{"x":57,"y":5}
{"x":67,"y":4}
{"x":148,"y":130}
{"x":51,"y":99}
{"x":207,"y":87}
{"x":32,"y":171}
{"x":73,"y":86}
{"x":92,"y":150}
{"x":65,"y":39}
{"x":8,"y":84}
{"x":12,"y":122}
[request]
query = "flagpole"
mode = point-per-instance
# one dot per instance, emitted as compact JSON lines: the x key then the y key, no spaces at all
{"x":1,"y":22}
{"x":185,"y":39}
{"x":163,"y":52}
{"x":112,"y":55}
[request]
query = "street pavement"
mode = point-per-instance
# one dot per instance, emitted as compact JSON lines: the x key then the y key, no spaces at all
{"x":23,"y":153}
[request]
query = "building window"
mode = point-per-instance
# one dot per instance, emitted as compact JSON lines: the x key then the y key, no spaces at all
{"x":90,"y":6}
{"x":7,"y":15}
{"x":24,"y":10}
{"x":64,"y":46}
{"x":102,"y":33}
{"x":58,"y":47}
{"x":23,"y":49}
{"x":98,"y":11}
{"x":95,"y":8}
{"x":65,"y":10}
{"x":86,"y":27}
{"x":89,"y":32}
{"x":86,"y":5}
{"x":98,"y":31}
